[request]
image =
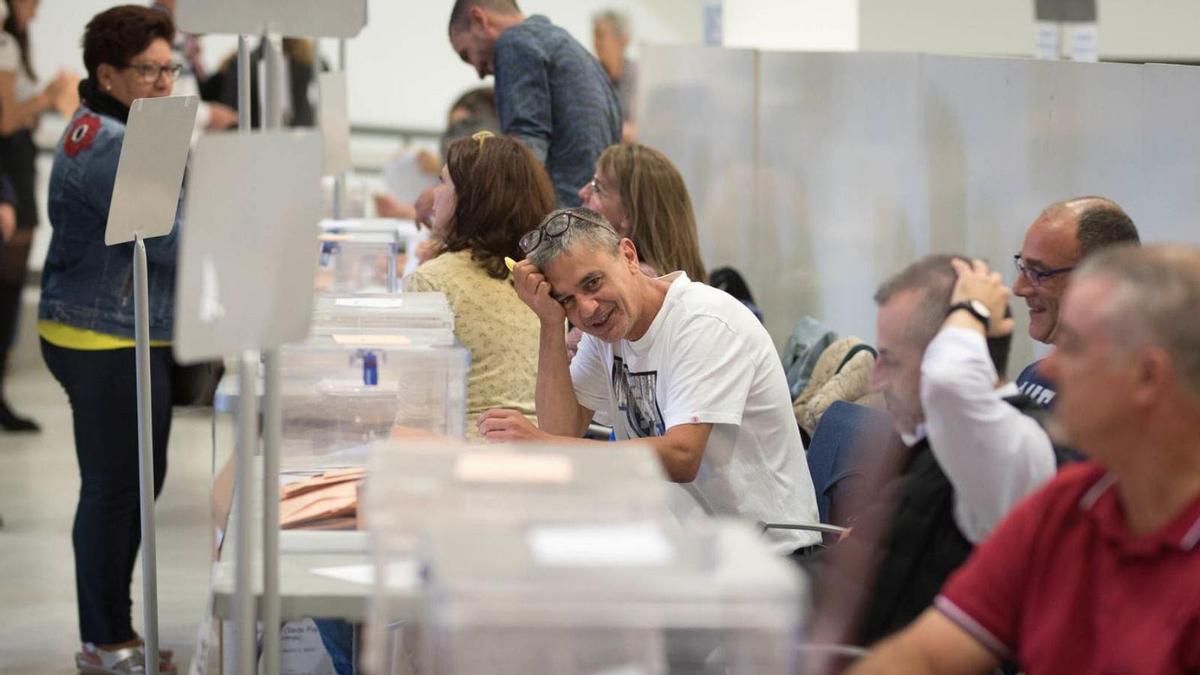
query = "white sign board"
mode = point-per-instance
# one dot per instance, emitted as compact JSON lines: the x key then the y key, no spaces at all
{"x":334,"y":118}
{"x":292,"y":18}
{"x":150,"y":170}
{"x":248,"y":250}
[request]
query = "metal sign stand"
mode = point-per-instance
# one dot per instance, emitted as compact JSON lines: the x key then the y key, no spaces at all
{"x":245,"y":628}
{"x":144,"y":202}
{"x":141,"y":321}
{"x":272,"y":408}
{"x":273,"y":18}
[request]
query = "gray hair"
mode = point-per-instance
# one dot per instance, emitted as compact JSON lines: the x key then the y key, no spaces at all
{"x":1155,"y":301}
{"x":618,"y":20}
{"x":935,"y":277}
{"x":586,"y":229}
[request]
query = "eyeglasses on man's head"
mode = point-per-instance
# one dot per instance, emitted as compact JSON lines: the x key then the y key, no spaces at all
{"x":556,"y":225}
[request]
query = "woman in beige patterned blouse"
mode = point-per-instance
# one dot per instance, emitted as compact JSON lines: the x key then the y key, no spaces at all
{"x":492,"y":191}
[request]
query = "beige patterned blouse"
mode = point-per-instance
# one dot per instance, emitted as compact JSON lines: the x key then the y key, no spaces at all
{"x":492,"y":322}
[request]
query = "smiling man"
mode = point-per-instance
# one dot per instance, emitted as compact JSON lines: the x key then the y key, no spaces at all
{"x":678,"y":365}
{"x":1063,"y":236}
{"x":1099,"y":571}
{"x":550,"y":92}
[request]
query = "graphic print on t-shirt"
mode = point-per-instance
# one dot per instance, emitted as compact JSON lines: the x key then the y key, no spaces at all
{"x":637,"y":400}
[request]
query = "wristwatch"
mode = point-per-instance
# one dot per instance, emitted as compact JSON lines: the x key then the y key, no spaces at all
{"x":975,"y":308}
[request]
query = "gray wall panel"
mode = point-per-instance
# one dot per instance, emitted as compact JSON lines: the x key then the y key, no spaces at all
{"x":698,"y":103}
{"x":868,"y":161}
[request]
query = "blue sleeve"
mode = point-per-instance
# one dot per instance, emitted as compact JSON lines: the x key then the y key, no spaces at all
{"x":523,"y":94}
{"x":98,"y":179}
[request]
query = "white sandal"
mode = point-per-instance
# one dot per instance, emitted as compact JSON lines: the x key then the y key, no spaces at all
{"x":125,"y":661}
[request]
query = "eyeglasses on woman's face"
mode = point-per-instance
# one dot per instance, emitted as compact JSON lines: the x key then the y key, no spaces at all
{"x":149,"y":73}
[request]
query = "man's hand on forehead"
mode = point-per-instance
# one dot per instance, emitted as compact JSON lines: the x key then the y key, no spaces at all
{"x":535,"y":291}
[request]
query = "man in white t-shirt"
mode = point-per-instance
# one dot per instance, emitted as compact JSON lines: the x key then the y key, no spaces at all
{"x":678,"y":365}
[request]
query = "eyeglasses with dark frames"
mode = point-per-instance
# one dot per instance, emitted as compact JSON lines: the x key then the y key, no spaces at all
{"x":1036,"y":276}
{"x":554,"y":227}
{"x":149,"y":73}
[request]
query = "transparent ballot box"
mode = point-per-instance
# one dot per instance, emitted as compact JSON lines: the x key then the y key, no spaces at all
{"x":340,"y":391}
{"x":428,"y":313}
{"x":353,"y":262}
{"x":405,"y":232}
{"x":596,"y":598}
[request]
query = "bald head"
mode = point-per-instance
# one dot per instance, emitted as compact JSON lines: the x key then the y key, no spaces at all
{"x":1097,"y":223}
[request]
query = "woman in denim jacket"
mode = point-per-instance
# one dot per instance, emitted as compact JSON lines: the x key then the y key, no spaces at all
{"x":85,"y":321}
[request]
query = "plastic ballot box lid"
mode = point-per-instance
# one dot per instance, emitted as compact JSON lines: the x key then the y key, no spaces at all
{"x":593,"y":597}
{"x":420,"y":484}
{"x":382,"y":313}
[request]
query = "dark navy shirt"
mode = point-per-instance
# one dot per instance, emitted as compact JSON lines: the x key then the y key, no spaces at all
{"x":554,"y":96}
{"x":1035,"y":387}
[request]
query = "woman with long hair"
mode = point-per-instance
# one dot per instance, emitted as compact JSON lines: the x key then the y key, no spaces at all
{"x":22,"y":102}
{"x":492,"y":192}
{"x":85,"y":320}
{"x":639,"y":191}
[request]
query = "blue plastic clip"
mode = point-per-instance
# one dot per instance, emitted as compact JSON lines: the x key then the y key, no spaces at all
{"x":370,"y":369}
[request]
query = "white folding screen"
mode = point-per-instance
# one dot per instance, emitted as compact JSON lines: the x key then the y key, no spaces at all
{"x":700,"y":109}
{"x":817,"y":175}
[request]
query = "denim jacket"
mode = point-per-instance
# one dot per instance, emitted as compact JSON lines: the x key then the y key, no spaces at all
{"x":86,"y":284}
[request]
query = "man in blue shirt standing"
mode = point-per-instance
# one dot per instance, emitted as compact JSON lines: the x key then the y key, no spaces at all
{"x":550,"y":92}
{"x":1058,"y":241}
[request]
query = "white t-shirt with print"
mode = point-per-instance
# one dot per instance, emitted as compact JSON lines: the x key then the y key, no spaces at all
{"x":707,"y":359}
{"x":10,"y":61}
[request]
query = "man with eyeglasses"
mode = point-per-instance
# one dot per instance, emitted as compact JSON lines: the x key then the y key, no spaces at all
{"x":1060,"y":239}
{"x":1099,"y":570}
{"x":679,"y":366}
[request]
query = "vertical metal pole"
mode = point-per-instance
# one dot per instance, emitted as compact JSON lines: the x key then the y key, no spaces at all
{"x":247,"y":425}
{"x":339,"y":182}
{"x":272,"y":418}
{"x":244,"y":491}
{"x":141,"y":320}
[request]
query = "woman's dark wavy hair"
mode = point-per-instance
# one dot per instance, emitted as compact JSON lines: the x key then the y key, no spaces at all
{"x":501,"y":192}
{"x":116,"y":35}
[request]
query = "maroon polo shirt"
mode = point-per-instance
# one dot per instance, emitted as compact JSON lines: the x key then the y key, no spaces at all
{"x":1062,"y":586}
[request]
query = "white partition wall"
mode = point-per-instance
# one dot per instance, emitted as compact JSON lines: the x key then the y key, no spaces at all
{"x":860,"y":163}
{"x":839,"y":201}
{"x":698,"y":103}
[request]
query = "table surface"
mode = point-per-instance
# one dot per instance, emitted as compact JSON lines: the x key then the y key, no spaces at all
{"x":303,"y":592}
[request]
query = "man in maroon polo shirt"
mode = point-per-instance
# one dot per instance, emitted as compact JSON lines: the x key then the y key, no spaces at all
{"x":1098,"y":572}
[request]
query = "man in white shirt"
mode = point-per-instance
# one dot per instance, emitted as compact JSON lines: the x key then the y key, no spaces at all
{"x":993,"y":454}
{"x":679,"y":366}
{"x":971,"y":455}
